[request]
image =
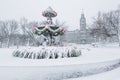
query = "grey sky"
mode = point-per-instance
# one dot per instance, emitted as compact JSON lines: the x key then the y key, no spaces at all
{"x":68,"y":10}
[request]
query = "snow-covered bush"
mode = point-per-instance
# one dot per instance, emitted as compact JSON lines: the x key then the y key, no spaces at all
{"x":75,"y":53}
{"x":47,"y":52}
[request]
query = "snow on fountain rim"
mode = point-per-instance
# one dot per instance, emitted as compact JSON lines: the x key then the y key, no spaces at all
{"x":58,"y":48}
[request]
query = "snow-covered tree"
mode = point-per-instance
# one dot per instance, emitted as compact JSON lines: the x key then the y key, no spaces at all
{"x":23,"y":24}
{"x":2,"y":33}
{"x":107,"y":25}
{"x":11,"y":28}
{"x":30,"y":33}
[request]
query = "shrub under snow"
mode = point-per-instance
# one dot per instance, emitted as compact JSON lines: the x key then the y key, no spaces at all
{"x":47,"y":52}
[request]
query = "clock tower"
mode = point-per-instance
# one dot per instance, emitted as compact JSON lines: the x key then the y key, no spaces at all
{"x":83,"y":30}
{"x":82,"y":23}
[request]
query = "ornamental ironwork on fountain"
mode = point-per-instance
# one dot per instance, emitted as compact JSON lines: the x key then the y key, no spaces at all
{"x":49,"y":29}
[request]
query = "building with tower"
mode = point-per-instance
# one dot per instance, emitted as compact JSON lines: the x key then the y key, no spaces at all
{"x":80,"y":36}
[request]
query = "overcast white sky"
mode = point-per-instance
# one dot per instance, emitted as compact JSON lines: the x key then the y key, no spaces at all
{"x":69,"y":11}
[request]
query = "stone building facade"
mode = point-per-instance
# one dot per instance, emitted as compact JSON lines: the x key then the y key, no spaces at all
{"x":81,"y":36}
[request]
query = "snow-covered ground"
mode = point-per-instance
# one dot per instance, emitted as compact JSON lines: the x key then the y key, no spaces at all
{"x":56,"y":72}
{"x":92,"y":61}
{"x":110,"y":75}
{"x":89,"y":55}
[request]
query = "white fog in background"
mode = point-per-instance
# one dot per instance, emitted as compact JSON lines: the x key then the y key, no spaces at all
{"x":68,"y":10}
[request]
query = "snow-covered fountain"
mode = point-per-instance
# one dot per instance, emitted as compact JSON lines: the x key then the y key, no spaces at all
{"x":49,"y":50}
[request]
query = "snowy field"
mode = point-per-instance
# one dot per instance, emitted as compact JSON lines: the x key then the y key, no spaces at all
{"x":111,"y":75}
{"x":89,"y":55}
{"x":100,"y":63}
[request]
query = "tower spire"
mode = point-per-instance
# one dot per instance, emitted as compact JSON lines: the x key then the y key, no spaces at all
{"x":82,"y":22}
{"x":82,"y":11}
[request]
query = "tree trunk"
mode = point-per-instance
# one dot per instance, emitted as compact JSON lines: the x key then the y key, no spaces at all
{"x":17,"y":42}
{"x":1,"y":44}
{"x":119,"y":35}
{"x":8,"y":42}
{"x":119,"y":40}
{"x":28,"y":42}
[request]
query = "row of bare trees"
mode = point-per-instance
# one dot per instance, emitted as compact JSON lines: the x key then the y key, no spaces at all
{"x":106,"y":26}
{"x":20,"y":33}
{"x":14,"y":33}
{"x":7,"y":30}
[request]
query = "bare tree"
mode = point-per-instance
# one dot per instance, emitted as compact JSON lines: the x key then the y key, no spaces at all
{"x":31,"y":36}
{"x":10,"y":28}
{"x":99,"y":30}
{"x":113,"y":22}
{"x":2,"y":33}
{"x":107,"y":25}
{"x":23,"y":24}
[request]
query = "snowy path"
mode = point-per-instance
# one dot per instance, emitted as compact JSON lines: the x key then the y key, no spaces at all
{"x":56,"y":72}
{"x":110,"y":75}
